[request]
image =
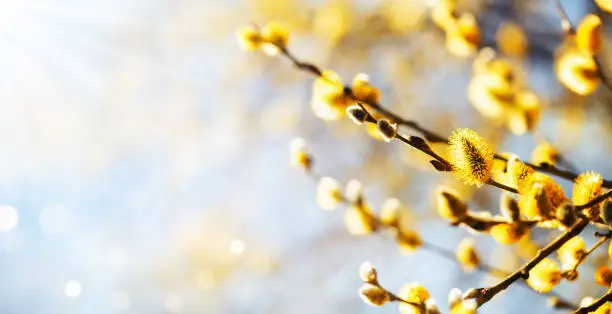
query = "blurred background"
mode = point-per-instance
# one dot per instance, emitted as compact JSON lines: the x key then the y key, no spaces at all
{"x":144,"y":162}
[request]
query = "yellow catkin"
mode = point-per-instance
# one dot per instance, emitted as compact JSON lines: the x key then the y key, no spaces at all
{"x":586,"y":188}
{"x":274,"y":36}
{"x":508,"y":233}
{"x":408,"y":241}
{"x":463,"y":36}
{"x":603,"y":276}
{"x":544,"y":276}
{"x":248,"y":38}
{"x":521,"y":175}
{"x":544,"y":152}
{"x":511,"y":39}
{"x":588,"y":34}
{"x":449,"y":205}
{"x":471,"y":157}
{"x":414,"y":293}
{"x":364,"y":91}
{"x":359,"y":220}
{"x":543,"y":198}
{"x":329,"y":193}
{"x":374,"y":295}
{"x":465,"y":307}
{"x":571,"y":252}
{"x":329,"y":101}
{"x":554,"y":191}
{"x":390,"y":211}
{"x":442,"y":14}
{"x":467,"y":255}
{"x":605,"y":5}
{"x":578,"y":72}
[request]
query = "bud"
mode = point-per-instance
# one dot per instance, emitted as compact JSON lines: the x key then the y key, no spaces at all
{"x":390,"y":211}
{"x":544,"y":205}
{"x":364,"y":91}
{"x":587,"y":187}
{"x":449,"y":205}
{"x":571,"y":275}
{"x":578,"y":72}
{"x":374,"y":295}
{"x":588,"y":34}
{"x":359,"y":221}
{"x":605,"y":5}
{"x":387,"y":129}
{"x":431,"y":307}
{"x":521,"y":175}
{"x":354,"y":192}
{"x":454,"y":297}
{"x":606,"y":212}
{"x":544,"y":276}
{"x":414,"y":293}
{"x":357,"y":114}
{"x":329,"y":194}
{"x":299,"y":157}
{"x":544,"y":152}
{"x":408,"y":241}
{"x":566,"y":214}
{"x":572,"y":252}
{"x":471,"y":157}
{"x":468,"y":306}
{"x":467,"y":255}
{"x":275,"y":36}
{"x":603,"y":276}
{"x":509,"y":207}
{"x":248,"y":38}
{"x":368,"y":273}
{"x":554,"y":302}
{"x":508,"y":233}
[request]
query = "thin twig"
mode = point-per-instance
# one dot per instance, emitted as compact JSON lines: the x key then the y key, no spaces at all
{"x":602,"y":197}
{"x":602,"y":240}
{"x":483,"y":295}
{"x":428,"y":134}
{"x":607,"y":297}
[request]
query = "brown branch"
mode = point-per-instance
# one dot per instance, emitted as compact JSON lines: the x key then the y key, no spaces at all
{"x":428,"y":134}
{"x":450,"y":255}
{"x":607,"y":297}
{"x":483,"y":295}
{"x":566,"y":24}
{"x":602,"y":197}
{"x":445,"y":165}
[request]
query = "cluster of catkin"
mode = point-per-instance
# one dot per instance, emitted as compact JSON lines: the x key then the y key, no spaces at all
{"x":496,"y":89}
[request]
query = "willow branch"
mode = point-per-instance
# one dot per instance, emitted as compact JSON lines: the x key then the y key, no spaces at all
{"x":602,"y":197}
{"x":428,"y":134}
{"x":607,"y":297}
{"x":483,"y":295}
{"x":450,"y":255}
{"x":443,"y":164}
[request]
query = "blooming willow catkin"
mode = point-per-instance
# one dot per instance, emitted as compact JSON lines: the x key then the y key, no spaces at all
{"x":544,"y":276}
{"x":413,"y":293}
{"x":471,"y":157}
{"x":586,"y":188}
